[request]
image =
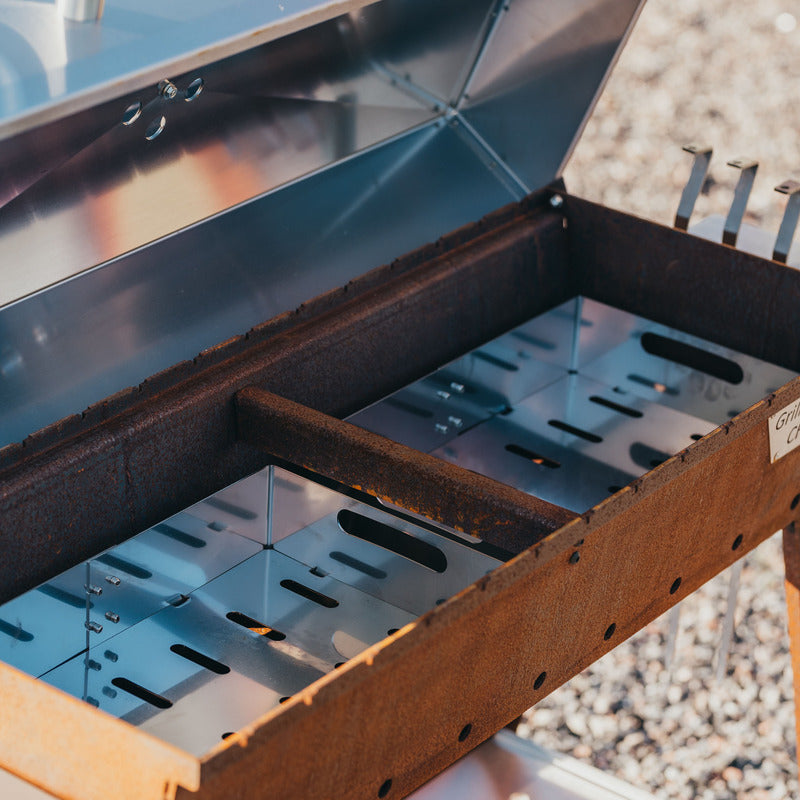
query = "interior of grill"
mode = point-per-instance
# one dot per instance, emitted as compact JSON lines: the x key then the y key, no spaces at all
{"x":197,"y":625}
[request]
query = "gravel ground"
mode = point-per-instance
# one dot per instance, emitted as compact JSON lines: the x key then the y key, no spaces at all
{"x":717,"y":73}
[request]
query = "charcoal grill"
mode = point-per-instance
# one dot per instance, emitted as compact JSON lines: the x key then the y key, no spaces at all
{"x":329,"y":556}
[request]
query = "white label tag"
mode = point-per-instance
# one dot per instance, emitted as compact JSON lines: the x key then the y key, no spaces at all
{"x":784,"y":431}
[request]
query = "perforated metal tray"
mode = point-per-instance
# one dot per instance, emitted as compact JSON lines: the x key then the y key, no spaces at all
{"x":576,"y":403}
{"x":196,"y":627}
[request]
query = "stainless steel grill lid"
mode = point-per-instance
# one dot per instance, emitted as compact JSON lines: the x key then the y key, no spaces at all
{"x":224,"y":162}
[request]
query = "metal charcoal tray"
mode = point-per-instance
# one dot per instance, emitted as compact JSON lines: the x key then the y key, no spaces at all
{"x":574,"y":404}
{"x":196,"y":627}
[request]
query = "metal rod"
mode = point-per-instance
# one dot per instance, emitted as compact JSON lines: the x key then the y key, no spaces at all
{"x":673,"y":623}
{"x":576,"y":334}
{"x":401,"y":475}
{"x":270,"y":500}
{"x":783,"y":244}
{"x":728,"y":623}
{"x":740,"y":196}
{"x":697,"y":177}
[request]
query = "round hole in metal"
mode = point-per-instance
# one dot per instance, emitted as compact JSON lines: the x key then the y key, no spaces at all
{"x":537,"y":684}
{"x":737,"y":542}
{"x":155,"y":128}
{"x":386,"y":787}
{"x":132,"y":113}
{"x":676,"y":584}
{"x":465,"y":731}
{"x":610,"y":631}
{"x":795,"y":501}
{"x":194,"y":89}
{"x":575,"y":558}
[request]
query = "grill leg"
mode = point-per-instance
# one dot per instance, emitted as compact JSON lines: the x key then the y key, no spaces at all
{"x":791,"y":560}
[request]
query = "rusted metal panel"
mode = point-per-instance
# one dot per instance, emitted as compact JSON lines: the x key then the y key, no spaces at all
{"x":66,"y":747}
{"x":712,"y":291}
{"x":791,"y":560}
{"x":397,"y":712}
{"x":88,"y":484}
{"x":421,"y":483}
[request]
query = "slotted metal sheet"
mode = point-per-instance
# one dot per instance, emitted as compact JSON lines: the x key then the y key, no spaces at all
{"x":606,"y":448}
{"x":311,"y":513}
{"x":45,"y":626}
{"x":610,"y":374}
{"x":629,"y":366}
{"x":205,"y":703}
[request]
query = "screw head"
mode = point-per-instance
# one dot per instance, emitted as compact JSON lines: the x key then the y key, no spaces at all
{"x":167,"y":89}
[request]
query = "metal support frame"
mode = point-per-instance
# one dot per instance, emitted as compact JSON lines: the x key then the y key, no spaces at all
{"x":791,"y":560}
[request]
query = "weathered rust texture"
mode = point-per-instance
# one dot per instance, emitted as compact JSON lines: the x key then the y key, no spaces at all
{"x":150,"y":454}
{"x":712,"y":291}
{"x":791,"y":560}
{"x":423,"y":484}
{"x":396,"y":711}
{"x":66,"y":747}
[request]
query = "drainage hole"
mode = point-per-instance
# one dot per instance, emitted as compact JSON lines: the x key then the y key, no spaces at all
{"x":393,"y":539}
{"x":284,"y":699}
{"x":537,"y":684}
{"x":392,"y":631}
{"x":610,"y":631}
{"x":226,"y":735}
{"x":575,"y":558}
{"x":386,"y":787}
{"x":795,"y":501}
{"x":465,"y":731}
{"x":255,"y":626}
{"x":530,"y":455}
{"x":201,"y":659}
{"x":143,"y":694}
{"x":676,"y":584}
{"x":309,"y":593}
{"x":580,"y":432}
{"x":737,"y":542}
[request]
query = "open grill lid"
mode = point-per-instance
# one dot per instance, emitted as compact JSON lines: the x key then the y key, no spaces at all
{"x":335,"y":135}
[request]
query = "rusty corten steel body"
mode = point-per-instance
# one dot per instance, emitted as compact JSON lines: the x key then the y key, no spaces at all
{"x":393,"y":713}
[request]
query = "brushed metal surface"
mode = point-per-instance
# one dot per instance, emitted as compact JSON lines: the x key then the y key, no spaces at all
{"x":342,"y":126}
{"x":552,"y":56}
{"x":571,"y":406}
{"x":261,"y":670}
{"x":52,"y":67}
{"x":45,"y":626}
{"x":157,"y":609}
{"x":111,"y":328}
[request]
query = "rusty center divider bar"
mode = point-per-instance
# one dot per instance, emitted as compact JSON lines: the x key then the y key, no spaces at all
{"x":421,"y":483}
